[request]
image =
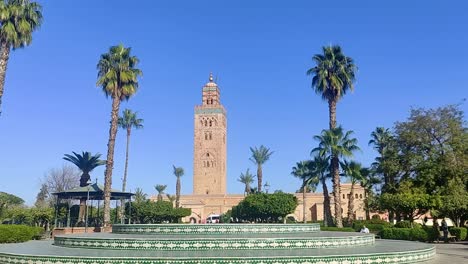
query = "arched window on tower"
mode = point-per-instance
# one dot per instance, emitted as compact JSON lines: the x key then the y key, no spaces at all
{"x":206,"y":122}
{"x":211,"y":101}
{"x":211,"y":122}
{"x":211,"y":136}
{"x":206,"y":136}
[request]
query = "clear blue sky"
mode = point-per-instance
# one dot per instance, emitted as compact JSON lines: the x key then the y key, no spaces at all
{"x":409,"y":53}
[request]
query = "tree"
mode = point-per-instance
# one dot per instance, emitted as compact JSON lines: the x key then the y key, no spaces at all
{"x":386,"y":164}
{"x":7,"y":200}
{"x":62,"y":179}
{"x":140,"y":196}
{"x":302,"y":170}
{"x":18,"y":20}
{"x":127,"y":121}
{"x":246,"y":178}
{"x":333,"y":75}
{"x":368,"y":181}
{"x":259,"y":157}
{"x":178,"y":172}
{"x":42,"y":196}
{"x":160,"y":189}
{"x":455,"y":201}
{"x":118,"y":78}
{"x":336,"y":144}
{"x":262,"y":207}
{"x":353,"y":170}
{"x":321,"y":165}
{"x":410,"y":202}
{"x":86,"y":162}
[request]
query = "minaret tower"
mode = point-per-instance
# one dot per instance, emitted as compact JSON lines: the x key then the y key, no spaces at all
{"x":209,"y":159}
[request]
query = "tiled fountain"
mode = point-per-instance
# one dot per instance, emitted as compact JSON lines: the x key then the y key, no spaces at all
{"x":216,"y":244}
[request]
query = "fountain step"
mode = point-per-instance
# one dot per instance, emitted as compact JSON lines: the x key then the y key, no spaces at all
{"x":219,"y":229}
{"x":214,"y":242}
{"x":383,"y":251}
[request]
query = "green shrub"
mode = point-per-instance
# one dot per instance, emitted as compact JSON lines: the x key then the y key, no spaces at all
{"x":403,"y":224}
{"x":412,"y":234}
{"x":459,"y":232}
{"x":372,"y":225}
{"x":432,"y":233}
{"x":331,"y":228}
{"x":19,"y":233}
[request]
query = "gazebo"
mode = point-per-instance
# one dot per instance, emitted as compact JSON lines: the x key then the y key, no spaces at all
{"x":92,"y":192}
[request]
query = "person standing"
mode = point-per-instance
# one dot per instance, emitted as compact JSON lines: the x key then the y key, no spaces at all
{"x":444,"y":228}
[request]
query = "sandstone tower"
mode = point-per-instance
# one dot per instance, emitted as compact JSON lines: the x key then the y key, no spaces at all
{"x":209,"y":159}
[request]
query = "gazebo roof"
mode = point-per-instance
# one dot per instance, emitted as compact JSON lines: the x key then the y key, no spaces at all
{"x":96,"y":192}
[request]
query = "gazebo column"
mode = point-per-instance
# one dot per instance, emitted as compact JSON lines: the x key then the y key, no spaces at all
{"x":68,"y":213}
{"x":56,"y":212}
{"x":130,"y":210}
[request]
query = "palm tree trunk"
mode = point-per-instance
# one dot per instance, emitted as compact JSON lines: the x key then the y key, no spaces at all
{"x":4,"y":56}
{"x":124,"y":181}
{"x":178,"y":192}
{"x":328,"y":221}
{"x":110,"y":159}
{"x":366,"y":204}
{"x":332,"y":113}
{"x":259,"y":177}
{"x":337,"y":192}
{"x":304,"y":201}
{"x":351,"y":205}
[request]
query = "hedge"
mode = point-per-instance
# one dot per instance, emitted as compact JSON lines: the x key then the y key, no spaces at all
{"x":412,"y":234}
{"x":19,"y":233}
{"x":372,"y":225}
{"x":459,"y":232}
{"x":331,"y":228}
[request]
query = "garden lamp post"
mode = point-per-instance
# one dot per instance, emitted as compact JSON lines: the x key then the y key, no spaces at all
{"x":86,"y":221}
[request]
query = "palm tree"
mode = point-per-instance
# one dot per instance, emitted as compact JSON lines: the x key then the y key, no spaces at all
{"x":382,"y":140}
{"x":18,"y":20}
{"x":259,"y":157}
{"x":335,"y":144}
{"x":140,"y":196}
{"x":118,"y":78}
{"x":86,"y":162}
{"x":160,"y":189}
{"x":369,"y":180}
{"x":127,"y":121}
{"x":178,"y":172}
{"x":353,"y":170}
{"x":246,"y":178}
{"x":333,"y":76}
{"x":321,"y":167}
{"x":171,"y":198}
{"x":303,"y":171}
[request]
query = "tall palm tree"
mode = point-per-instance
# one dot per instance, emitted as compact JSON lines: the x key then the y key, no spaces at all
{"x":321,"y":165}
{"x":160,"y":188}
{"x":303,"y":170}
{"x":86,"y":162}
{"x":333,"y":75}
{"x":178,"y":172}
{"x":118,"y":78}
{"x":353,"y":170}
{"x":259,"y":157}
{"x":127,"y":121}
{"x":18,"y":20}
{"x":246,"y":178}
{"x":336,"y":144}
{"x":381,"y":139}
{"x":369,"y":180}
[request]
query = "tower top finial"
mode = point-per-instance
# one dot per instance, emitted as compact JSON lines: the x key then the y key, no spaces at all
{"x":211,"y":77}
